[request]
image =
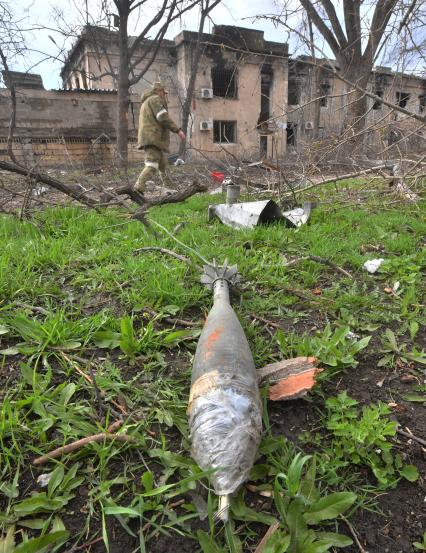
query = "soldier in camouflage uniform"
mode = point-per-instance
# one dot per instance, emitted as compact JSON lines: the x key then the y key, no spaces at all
{"x":154,"y":134}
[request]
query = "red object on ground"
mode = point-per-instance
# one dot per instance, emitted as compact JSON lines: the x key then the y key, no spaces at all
{"x":217,"y":176}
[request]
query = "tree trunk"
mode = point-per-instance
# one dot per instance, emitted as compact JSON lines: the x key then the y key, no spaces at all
{"x":186,"y":108}
{"x":357,"y":107}
{"x":123,"y":92}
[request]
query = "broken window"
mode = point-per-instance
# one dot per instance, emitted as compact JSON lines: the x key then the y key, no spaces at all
{"x":224,"y":131}
{"x":293,"y":91}
{"x":422,"y":103}
{"x":324,"y":91}
{"x":291,"y":134}
{"x":224,"y":82}
{"x":377,"y":104}
{"x":402,"y":99}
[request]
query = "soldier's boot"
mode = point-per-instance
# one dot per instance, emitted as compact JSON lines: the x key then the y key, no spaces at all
{"x":146,"y":175}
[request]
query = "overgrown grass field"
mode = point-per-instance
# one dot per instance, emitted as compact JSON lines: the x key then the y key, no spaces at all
{"x":93,"y":334}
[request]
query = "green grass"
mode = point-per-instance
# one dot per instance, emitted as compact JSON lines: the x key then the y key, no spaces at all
{"x":72,"y":304}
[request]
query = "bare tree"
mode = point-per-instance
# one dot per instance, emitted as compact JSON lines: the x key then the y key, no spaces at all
{"x":356,"y":38}
{"x":206,"y":6}
{"x":135,"y":61}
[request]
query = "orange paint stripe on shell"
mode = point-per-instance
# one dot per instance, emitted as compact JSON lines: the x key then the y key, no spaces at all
{"x":293,"y":385}
{"x":214,"y":336}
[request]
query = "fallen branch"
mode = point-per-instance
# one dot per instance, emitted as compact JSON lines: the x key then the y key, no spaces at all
{"x":411,"y":436}
{"x":271,"y":530}
{"x":194,"y":188}
{"x":354,"y":534}
{"x":40,"y":310}
{"x":266,"y":321}
{"x":72,"y":190}
{"x":95,"y":438}
{"x":319,"y":260}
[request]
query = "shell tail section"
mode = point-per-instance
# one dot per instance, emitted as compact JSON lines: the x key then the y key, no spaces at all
{"x":222,"y":512}
{"x":214,"y":272}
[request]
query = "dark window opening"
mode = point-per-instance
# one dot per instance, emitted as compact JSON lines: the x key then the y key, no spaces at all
{"x":224,"y":82}
{"x":377,"y":104}
{"x":291,"y":134}
{"x":324,"y":91}
{"x":77,"y":83}
{"x":422,"y":103}
{"x":224,"y":131}
{"x":293,"y":91}
{"x":402,"y":99}
{"x":263,"y":146}
{"x":265,"y":100}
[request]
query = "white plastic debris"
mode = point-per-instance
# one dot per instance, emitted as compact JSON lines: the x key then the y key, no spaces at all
{"x":40,"y":190}
{"x":372,"y":265}
{"x":396,"y":286}
{"x":179,"y":162}
{"x":43,"y":479}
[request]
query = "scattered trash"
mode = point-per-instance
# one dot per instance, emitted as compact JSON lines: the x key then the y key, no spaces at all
{"x":372,"y":265}
{"x":40,"y":190}
{"x":179,"y":161}
{"x":225,"y":183}
{"x":381,"y":382}
{"x":225,"y":411}
{"x":250,"y":214}
{"x":217,"y":176}
{"x":300,"y":215}
{"x":44,"y":479}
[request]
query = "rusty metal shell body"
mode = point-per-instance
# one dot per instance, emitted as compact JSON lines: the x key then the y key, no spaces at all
{"x":224,"y":406}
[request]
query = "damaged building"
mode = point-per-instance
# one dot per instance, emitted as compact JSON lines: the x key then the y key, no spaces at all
{"x":250,"y":100}
{"x":238,"y":105}
{"x":317,"y":105}
{"x":241,"y":84}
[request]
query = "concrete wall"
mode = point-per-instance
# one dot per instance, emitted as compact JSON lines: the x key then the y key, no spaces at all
{"x":65,"y":127}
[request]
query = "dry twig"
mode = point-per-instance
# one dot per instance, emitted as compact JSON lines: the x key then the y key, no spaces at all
{"x":95,"y":438}
{"x":319,"y":260}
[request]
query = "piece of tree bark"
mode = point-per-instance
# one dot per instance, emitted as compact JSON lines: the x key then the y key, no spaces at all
{"x":291,"y":378}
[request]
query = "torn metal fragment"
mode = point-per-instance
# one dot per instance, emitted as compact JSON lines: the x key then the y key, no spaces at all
{"x":246,"y":214}
{"x":251,"y":214}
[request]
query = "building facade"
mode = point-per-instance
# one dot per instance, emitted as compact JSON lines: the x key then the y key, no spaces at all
{"x":250,"y":101}
{"x":241,"y":82}
{"x":317,"y":106}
